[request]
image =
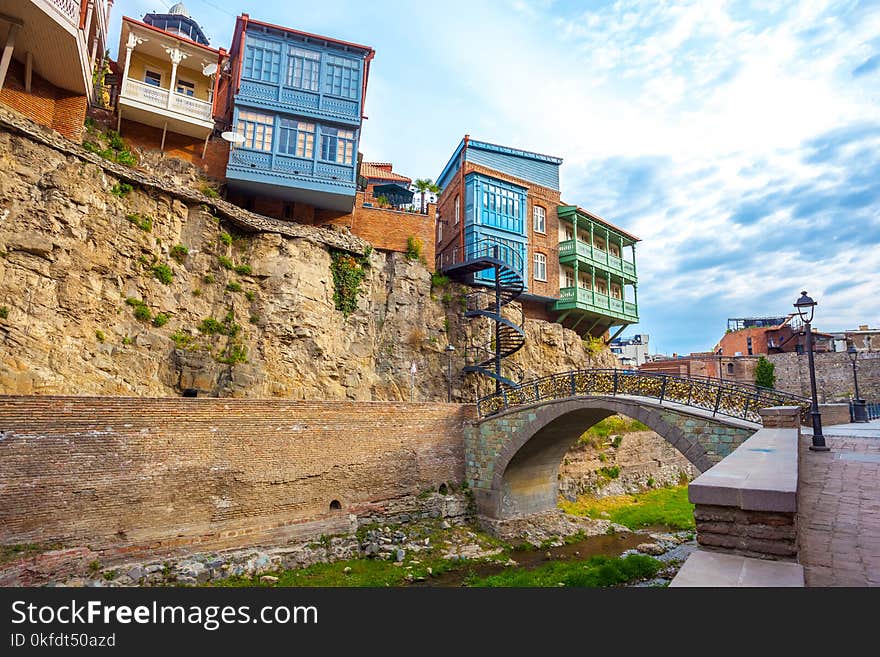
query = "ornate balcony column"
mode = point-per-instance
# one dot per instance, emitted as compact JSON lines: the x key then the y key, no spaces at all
{"x":176,"y":57}
{"x":133,"y":40}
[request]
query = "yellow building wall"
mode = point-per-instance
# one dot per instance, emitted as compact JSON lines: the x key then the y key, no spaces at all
{"x":140,"y":62}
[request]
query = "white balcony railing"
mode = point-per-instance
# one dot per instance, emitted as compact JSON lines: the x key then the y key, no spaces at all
{"x":180,"y":104}
{"x":70,"y":8}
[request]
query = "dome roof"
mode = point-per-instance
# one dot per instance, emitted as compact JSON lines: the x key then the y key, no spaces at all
{"x":179,"y":10}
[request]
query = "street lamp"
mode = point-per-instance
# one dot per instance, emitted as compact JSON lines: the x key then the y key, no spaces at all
{"x":449,"y":351}
{"x":805,"y":308}
{"x":860,"y":412}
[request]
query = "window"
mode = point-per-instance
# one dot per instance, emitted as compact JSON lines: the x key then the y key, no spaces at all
{"x":262,"y":60}
{"x":457,"y":209}
{"x":257,"y":130}
{"x":749,"y":345}
{"x":583,"y":282}
{"x":501,"y":208}
{"x":296,"y":138}
{"x":730,"y":368}
{"x":439,"y":230}
{"x":337,"y":145}
{"x":539,"y":215}
{"x":152,"y":78}
{"x":540,"y":267}
{"x":569,"y":278}
{"x":342,"y":76}
{"x":186,"y":88}
{"x":303,"y":68}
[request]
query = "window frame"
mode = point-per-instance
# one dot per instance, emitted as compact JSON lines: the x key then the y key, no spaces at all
{"x":256,"y":45}
{"x":457,"y":209}
{"x":187,"y":85}
{"x":243,"y":120}
{"x":350,"y":141}
{"x":308,"y":151}
{"x":349,"y":85}
{"x":539,"y":262}
{"x":148,"y":73}
{"x":314,"y":56}
{"x":543,"y":215}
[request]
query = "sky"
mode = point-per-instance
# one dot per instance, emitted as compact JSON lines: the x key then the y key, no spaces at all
{"x":739,"y":140}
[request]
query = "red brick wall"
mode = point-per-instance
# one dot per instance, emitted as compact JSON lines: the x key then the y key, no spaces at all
{"x":46,"y":104}
{"x":389,"y":229}
{"x":180,"y":146}
{"x":738,"y":342}
{"x":152,"y":474}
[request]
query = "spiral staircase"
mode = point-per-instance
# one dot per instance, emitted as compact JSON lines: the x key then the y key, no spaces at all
{"x":461,"y":264}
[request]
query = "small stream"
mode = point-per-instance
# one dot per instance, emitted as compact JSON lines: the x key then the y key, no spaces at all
{"x":610,"y":545}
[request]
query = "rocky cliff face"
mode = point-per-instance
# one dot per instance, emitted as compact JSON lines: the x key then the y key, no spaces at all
{"x":110,"y":291}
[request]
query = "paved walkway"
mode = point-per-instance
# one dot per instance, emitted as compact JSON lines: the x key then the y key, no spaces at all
{"x":839,"y":507}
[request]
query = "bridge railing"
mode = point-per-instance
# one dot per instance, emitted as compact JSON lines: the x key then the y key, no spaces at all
{"x":732,"y":399}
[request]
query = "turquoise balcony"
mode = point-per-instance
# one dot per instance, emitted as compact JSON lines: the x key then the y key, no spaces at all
{"x":591,"y":255}
{"x":576,"y":298}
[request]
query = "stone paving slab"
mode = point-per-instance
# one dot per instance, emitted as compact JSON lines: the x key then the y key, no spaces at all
{"x":717,"y":569}
{"x":839,"y":509}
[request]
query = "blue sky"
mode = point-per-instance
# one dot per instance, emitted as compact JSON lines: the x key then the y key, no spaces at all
{"x":739,"y":140}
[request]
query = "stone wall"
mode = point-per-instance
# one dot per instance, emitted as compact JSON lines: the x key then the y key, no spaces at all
{"x":127,"y":475}
{"x":834,"y":375}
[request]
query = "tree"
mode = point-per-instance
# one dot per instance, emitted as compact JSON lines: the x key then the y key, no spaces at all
{"x":425,"y":185}
{"x":764,"y":373}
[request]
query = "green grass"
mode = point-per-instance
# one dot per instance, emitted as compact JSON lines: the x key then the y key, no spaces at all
{"x":225,"y":262}
{"x":662,"y":506}
{"x":243,"y":270}
{"x":615,"y":424}
{"x":160,"y":320}
{"x":598,"y":571}
{"x":226,"y":238}
{"x":142,"y":222}
{"x":163,"y":273}
{"x":233,"y":286}
{"x":179,"y":252}
{"x":364,"y":573}
{"x":121,"y":189}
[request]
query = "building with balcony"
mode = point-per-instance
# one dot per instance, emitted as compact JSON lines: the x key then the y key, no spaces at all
{"x":168,"y":80}
{"x":577,"y":268}
{"x":51,"y":50}
{"x":296,"y":99}
{"x":597,"y":277}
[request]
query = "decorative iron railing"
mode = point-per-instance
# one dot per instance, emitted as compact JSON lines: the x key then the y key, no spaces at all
{"x":732,"y":399}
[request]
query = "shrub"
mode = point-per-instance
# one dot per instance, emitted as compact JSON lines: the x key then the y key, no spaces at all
{"x":243,"y":270}
{"x":616,"y":441}
{"x":209,"y":191}
{"x":594,"y":345}
{"x":446,"y":324}
{"x":142,"y":222}
{"x":127,"y":340}
{"x":163,"y":273}
{"x":348,"y":274}
{"x":611,"y":472}
{"x":4,"y":312}
{"x":233,"y":286}
{"x":226,"y":238}
{"x":446,"y":297}
{"x":249,"y":295}
{"x":99,"y":335}
{"x":121,"y":189}
{"x":225,"y":262}
{"x":125,"y":158}
{"x":208,"y":279}
{"x":197,"y":292}
{"x":181,"y":340}
{"x":160,"y":320}
{"x":235,"y":353}
{"x":439,"y":280}
{"x":210,"y":326}
{"x":179,"y":252}
{"x":142,"y":312}
{"x":114,"y":140}
{"x":765,"y":375}
{"x":413,"y":248}
{"x":255,"y":319}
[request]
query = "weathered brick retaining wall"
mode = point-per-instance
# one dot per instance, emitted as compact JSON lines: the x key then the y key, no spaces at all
{"x":834,"y":375}
{"x":125,"y":474}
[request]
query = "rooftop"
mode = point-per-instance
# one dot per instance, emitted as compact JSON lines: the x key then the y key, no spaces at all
{"x":381,"y":171}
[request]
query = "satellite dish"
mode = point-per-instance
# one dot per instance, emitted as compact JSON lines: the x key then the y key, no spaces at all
{"x":232,"y":137}
{"x":209,"y":70}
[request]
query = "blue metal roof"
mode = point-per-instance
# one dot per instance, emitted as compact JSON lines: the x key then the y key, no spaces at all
{"x":534,"y":167}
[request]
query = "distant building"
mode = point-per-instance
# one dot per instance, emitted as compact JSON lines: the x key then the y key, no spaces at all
{"x":379,"y":180}
{"x":50,"y":55}
{"x":863,"y":338}
{"x":769,"y":335}
{"x":631,"y":352}
{"x":178,"y":21}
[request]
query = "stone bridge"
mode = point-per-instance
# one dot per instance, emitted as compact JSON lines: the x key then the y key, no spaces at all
{"x":514,"y":450}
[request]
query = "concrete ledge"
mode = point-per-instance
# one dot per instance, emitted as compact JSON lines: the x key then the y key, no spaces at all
{"x":760,"y":475}
{"x":834,"y":414}
{"x":717,"y":569}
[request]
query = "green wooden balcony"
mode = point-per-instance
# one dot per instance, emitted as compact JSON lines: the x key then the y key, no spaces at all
{"x":591,"y":255}
{"x":576,"y":298}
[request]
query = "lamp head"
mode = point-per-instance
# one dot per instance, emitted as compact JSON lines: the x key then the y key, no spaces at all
{"x":852,"y":352}
{"x":449,"y":349}
{"x":805,"y":307}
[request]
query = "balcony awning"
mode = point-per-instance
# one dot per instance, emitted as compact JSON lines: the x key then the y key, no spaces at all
{"x":396,"y":194}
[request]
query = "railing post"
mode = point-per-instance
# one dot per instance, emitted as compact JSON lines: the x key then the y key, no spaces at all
{"x":615,"y":383}
{"x":717,"y":401}
{"x":663,"y":389}
{"x":571,"y":377}
{"x":537,"y":392}
{"x":504,"y":397}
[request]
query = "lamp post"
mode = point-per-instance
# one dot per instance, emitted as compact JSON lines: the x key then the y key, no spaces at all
{"x":449,"y":351}
{"x":805,"y":308}
{"x":860,"y":413}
